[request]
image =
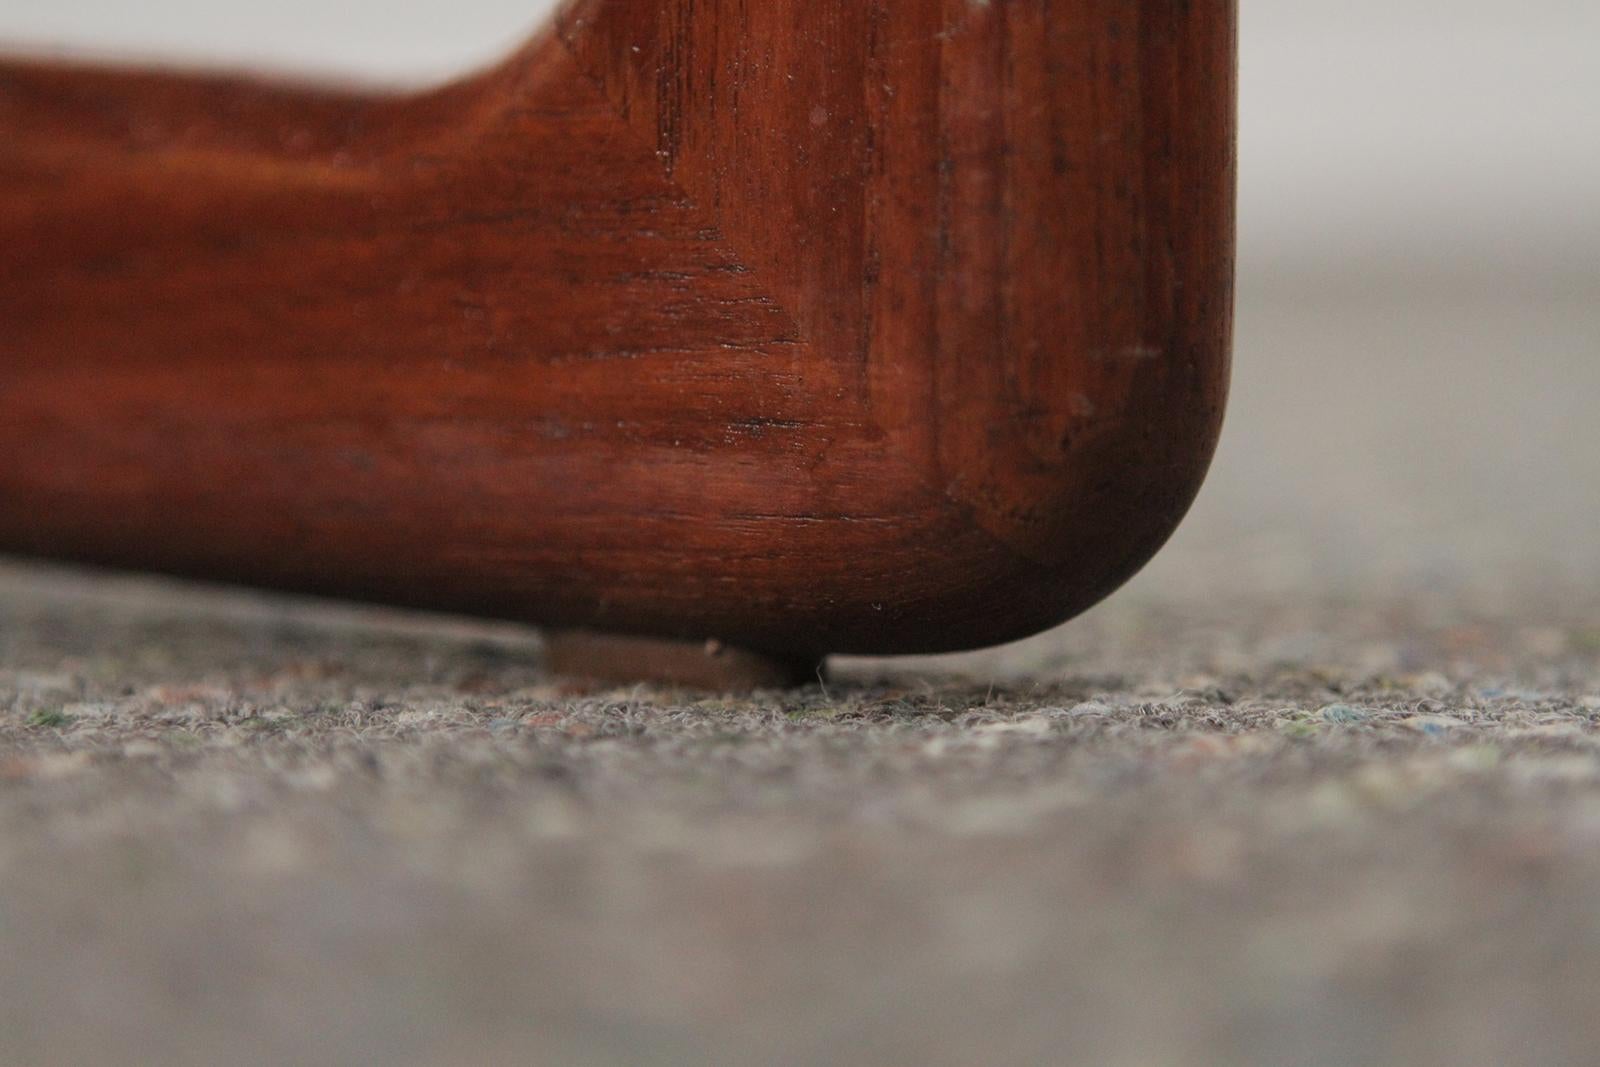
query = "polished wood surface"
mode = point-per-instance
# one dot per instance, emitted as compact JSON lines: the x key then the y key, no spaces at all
{"x":807,"y":325}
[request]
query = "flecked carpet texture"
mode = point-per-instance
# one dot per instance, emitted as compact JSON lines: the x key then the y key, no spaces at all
{"x":1321,"y":787}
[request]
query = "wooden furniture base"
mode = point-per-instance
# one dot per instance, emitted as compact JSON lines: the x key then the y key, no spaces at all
{"x":811,"y":326}
{"x":708,"y":665}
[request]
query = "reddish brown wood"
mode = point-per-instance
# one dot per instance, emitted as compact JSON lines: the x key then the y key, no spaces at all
{"x":811,"y":325}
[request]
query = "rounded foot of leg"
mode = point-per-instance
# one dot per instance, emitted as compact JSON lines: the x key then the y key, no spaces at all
{"x":696,"y":665}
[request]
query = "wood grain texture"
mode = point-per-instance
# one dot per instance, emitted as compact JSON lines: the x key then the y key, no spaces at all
{"x":811,"y":325}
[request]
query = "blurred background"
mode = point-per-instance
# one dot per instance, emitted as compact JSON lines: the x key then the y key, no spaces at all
{"x":1418,"y":360}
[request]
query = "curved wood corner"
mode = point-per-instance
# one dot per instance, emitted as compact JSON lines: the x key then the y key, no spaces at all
{"x":816,"y":326}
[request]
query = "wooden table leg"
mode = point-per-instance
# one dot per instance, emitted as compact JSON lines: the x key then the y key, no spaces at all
{"x":810,"y":326}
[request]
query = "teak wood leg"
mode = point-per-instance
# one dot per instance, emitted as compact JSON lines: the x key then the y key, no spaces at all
{"x":808,"y":326}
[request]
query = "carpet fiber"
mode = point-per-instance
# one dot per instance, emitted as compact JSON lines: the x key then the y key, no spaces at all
{"x":244,"y":829}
